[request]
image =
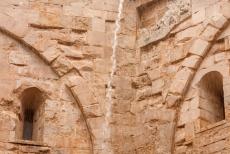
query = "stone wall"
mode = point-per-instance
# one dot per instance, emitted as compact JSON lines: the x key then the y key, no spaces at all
{"x":63,"y":49}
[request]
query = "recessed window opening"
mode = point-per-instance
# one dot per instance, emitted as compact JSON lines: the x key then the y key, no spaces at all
{"x":28,"y":124}
{"x":211,"y":97}
{"x":31,"y":100}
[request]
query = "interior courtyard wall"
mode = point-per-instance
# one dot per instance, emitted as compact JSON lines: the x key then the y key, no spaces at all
{"x":64,"y":47}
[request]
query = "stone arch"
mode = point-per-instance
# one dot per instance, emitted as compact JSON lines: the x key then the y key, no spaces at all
{"x":211,"y":92}
{"x":73,"y":79}
{"x":196,"y":54}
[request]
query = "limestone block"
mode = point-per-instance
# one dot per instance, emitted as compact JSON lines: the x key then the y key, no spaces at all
{"x":147,"y":92}
{"x":224,"y":9}
{"x":154,"y":74}
{"x":209,"y":33}
{"x":181,"y":149}
{"x":126,"y":94}
{"x":195,"y":103}
{"x":185,"y":106}
{"x":62,"y":65}
{"x":220,"y":57}
{"x":9,"y":23}
{"x":180,"y":136}
{"x":177,"y":54}
{"x":198,"y":5}
{"x":98,"y":24}
{"x":98,"y":40}
{"x":218,"y":20}
{"x":184,"y":118}
{"x":126,"y":41}
{"x":51,"y":54}
{"x":92,"y":111}
{"x":126,"y":119}
{"x":225,"y":33}
{"x":83,"y":65}
{"x":82,"y":23}
{"x":199,"y":47}
{"x":159,"y":115}
{"x":191,"y":93}
{"x":212,"y":10}
{"x":227,"y":43}
{"x":137,"y":107}
{"x":189,"y":131}
{"x":182,"y":26}
{"x":209,"y":61}
{"x":226,"y":88}
{"x":172,"y":100}
{"x":215,"y":147}
{"x":207,"y":116}
{"x":71,"y":52}
{"x":93,"y":51}
{"x":199,"y":16}
{"x":95,"y":125}
{"x":18,"y":58}
{"x":189,"y":33}
{"x":182,"y":79}
{"x":192,"y":61}
{"x":8,"y":122}
{"x":76,"y":9}
{"x":165,"y":138}
{"x":84,"y":94}
{"x":158,"y":84}
{"x":123,"y":82}
{"x":121,"y":106}
{"x":98,"y":5}
{"x":102,"y":66}
{"x":141,"y":81}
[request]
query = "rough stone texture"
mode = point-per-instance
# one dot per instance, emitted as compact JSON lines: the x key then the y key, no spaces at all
{"x":171,"y":89}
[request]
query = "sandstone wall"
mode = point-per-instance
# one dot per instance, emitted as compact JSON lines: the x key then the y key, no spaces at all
{"x":165,"y":47}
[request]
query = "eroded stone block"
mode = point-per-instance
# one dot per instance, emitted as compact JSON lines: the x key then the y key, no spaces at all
{"x":199,"y":47}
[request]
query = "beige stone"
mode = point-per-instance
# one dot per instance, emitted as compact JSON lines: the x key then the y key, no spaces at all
{"x":224,"y":9}
{"x":98,"y":24}
{"x":56,"y":62}
{"x":199,"y":16}
{"x":99,"y":40}
{"x":62,"y":65}
{"x":218,"y":20}
{"x":209,"y":33}
{"x":227,"y":43}
{"x":199,"y":47}
{"x":172,"y":100}
{"x":192,"y":61}
{"x":181,"y":81}
{"x":189,"y":33}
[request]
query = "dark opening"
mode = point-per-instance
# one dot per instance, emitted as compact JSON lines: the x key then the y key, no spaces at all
{"x":28,"y":124}
{"x":31,"y":100}
{"x":212,"y":96}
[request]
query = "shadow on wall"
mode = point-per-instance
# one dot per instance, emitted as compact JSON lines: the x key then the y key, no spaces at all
{"x":211,"y":95}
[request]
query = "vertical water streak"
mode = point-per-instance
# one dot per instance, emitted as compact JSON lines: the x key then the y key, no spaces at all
{"x":108,"y":105}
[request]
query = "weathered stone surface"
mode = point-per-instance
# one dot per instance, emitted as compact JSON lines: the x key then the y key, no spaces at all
{"x":56,"y":61}
{"x":199,"y":47}
{"x":209,"y":33}
{"x":192,"y":61}
{"x":61,"y":65}
{"x":181,"y":81}
{"x":141,"y":81}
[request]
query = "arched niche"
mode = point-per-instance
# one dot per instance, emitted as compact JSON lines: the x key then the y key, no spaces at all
{"x":211,"y":97}
{"x":24,"y":80}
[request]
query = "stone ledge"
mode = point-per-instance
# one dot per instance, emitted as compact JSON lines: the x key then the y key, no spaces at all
{"x":211,"y":126}
{"x":29,"y":143}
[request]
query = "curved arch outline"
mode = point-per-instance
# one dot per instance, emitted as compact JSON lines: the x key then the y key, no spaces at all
{"x":177,"y":97}
{"x":15,"y":37}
